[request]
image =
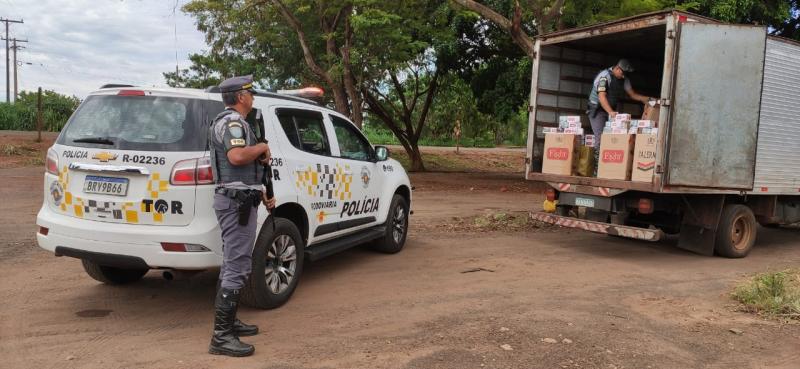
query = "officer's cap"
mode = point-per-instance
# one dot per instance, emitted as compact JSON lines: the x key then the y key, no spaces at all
{"x":625,"y":65}
{"x":238,"y":83}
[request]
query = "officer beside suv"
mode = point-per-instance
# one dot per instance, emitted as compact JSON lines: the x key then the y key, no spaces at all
{"x":236,"y":158}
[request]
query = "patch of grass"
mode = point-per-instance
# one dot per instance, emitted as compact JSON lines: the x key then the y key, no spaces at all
{"x":494,"y":221}
{"x":433,"y":162}
{"x":16,"y":150}
{"x":773,"y":295}
{"x":36,"y":161}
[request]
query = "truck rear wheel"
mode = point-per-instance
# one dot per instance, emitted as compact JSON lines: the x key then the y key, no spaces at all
{"x":736,"y":233}
{"x":112,"y":275}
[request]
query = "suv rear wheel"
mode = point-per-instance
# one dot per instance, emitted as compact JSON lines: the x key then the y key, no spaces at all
{"x":277,"y":265}
{"x":112,"y":275}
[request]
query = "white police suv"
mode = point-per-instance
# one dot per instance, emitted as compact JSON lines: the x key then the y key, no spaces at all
{"x":129,"y":188}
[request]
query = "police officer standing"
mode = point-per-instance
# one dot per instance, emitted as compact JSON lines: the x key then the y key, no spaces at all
{"x":238,"y":160}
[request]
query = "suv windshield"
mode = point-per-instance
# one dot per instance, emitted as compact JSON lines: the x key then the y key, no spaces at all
{"x":148,"y":123}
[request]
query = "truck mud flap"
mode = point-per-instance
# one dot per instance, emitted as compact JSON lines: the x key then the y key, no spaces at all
{"x":599,"y":227}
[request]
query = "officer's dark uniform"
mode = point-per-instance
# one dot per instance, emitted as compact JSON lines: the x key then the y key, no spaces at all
{"x":236,"y":199}
{"x":615,"y":91}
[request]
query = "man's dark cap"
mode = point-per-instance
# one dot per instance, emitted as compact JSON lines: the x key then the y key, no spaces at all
{"x":238,"y":83}
{"x":625,"y":65}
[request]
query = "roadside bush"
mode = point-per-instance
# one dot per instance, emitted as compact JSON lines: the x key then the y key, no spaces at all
{"x":773,"y":294}
{"x":21,"y":115}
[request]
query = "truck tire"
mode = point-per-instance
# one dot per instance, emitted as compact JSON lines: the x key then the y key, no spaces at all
{"x":112,"y":275}
{"x":396,"y":228}
{"x":736,"y":232}
{"x":277,"y":265}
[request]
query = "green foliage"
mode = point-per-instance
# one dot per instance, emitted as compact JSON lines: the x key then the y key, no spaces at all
{"x":773,"y":294}
{"x":21,"y":115}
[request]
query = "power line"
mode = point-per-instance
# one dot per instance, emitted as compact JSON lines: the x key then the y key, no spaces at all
{"x":8,"y":71}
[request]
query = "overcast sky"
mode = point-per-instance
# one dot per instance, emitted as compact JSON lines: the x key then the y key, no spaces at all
{"x":75,"y":46}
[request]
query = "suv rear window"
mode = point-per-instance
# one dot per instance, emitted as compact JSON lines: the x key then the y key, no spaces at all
{"x":147,"y":123}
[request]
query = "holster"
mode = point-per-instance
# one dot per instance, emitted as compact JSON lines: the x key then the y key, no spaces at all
{"x":245,"y":199}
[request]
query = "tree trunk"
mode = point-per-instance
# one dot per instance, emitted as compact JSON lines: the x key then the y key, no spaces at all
{"x":357,"y":114}
{"x":416,"y":158}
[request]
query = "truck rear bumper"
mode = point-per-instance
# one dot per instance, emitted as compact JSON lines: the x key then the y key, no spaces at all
{"x":598,"y":227}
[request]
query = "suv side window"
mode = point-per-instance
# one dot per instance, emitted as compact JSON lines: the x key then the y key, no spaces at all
{"x":352,"y":145}
{"x":305,"y":130}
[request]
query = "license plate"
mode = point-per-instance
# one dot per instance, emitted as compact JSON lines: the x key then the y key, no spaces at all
{"x":106,"y":185}
{"x":580,"y":201}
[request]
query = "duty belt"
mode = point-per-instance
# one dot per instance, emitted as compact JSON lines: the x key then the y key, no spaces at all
{"x":244,"y":199}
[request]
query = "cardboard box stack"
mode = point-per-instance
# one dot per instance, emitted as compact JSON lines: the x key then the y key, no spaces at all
{"x":628,"y":148}
{"x":561,"y":146}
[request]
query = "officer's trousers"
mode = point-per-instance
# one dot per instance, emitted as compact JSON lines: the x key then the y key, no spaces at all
{"x":237,"y":241}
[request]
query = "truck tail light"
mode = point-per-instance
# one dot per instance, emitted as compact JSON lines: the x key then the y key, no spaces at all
{"x":645,"y":206}
{"x":43,"y":230}
{"x":51,"y":162}
{"x":192,"y":172}
{"x":550,"y":194}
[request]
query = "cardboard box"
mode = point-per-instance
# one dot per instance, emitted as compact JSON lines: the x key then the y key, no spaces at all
{"x":589,"y":141}
{"x":651,"y":112}
{"x":616,"y":156}
{"x":575,"y":131}
{"x":549,"y":130}
{"x":570,"y":119}
{"x":560,"y":153}
{"x":644,"y":158}
{"x":622,"y":117}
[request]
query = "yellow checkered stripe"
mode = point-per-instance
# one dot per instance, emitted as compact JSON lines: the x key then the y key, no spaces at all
{"x":130,"y":210}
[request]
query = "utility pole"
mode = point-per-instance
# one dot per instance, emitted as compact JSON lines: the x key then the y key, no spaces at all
{"x":8,"y":71}
{"x":15,"y":48}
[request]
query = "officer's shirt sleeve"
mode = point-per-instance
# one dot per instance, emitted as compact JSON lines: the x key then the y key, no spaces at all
{"x":602,"y":83}
{"x":627,"y":85}
{"x":233,"y":134}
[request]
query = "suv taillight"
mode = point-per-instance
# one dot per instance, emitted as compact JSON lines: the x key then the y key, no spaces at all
{"x":51,"y":162}
{"x":204,"y":173}
{"x":192,"y":172}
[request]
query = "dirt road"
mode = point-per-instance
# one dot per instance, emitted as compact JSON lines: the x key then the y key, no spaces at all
{"x":452,"y":299}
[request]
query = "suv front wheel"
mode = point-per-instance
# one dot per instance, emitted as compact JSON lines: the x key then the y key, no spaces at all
{"x":277,"y":265}
{"x":396,"y":228}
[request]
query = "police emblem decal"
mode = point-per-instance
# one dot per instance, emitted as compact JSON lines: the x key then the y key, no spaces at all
{"x":57,"y":192}
{"x":365,"y":175}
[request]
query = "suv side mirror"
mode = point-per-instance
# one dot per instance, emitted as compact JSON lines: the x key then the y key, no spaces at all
{"x":381,"y":153}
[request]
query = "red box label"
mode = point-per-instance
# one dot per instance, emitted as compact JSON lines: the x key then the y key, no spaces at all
{"x":613,"y":156}
{"x":557,"y":153}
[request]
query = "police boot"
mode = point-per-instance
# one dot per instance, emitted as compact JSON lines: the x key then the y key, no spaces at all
{"x":224,"y":340}
{"x":240,"y":328}
{"x":243,"y":329}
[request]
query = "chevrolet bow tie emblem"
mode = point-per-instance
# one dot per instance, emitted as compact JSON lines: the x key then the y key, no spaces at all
{"x":104,"y":156}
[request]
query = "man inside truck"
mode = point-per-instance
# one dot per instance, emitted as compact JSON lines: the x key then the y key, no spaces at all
{"x":608,"y":89}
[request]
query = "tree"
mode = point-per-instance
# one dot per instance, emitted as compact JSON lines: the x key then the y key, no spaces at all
{"x":526,"y":20}
{"x":361,"y":51}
